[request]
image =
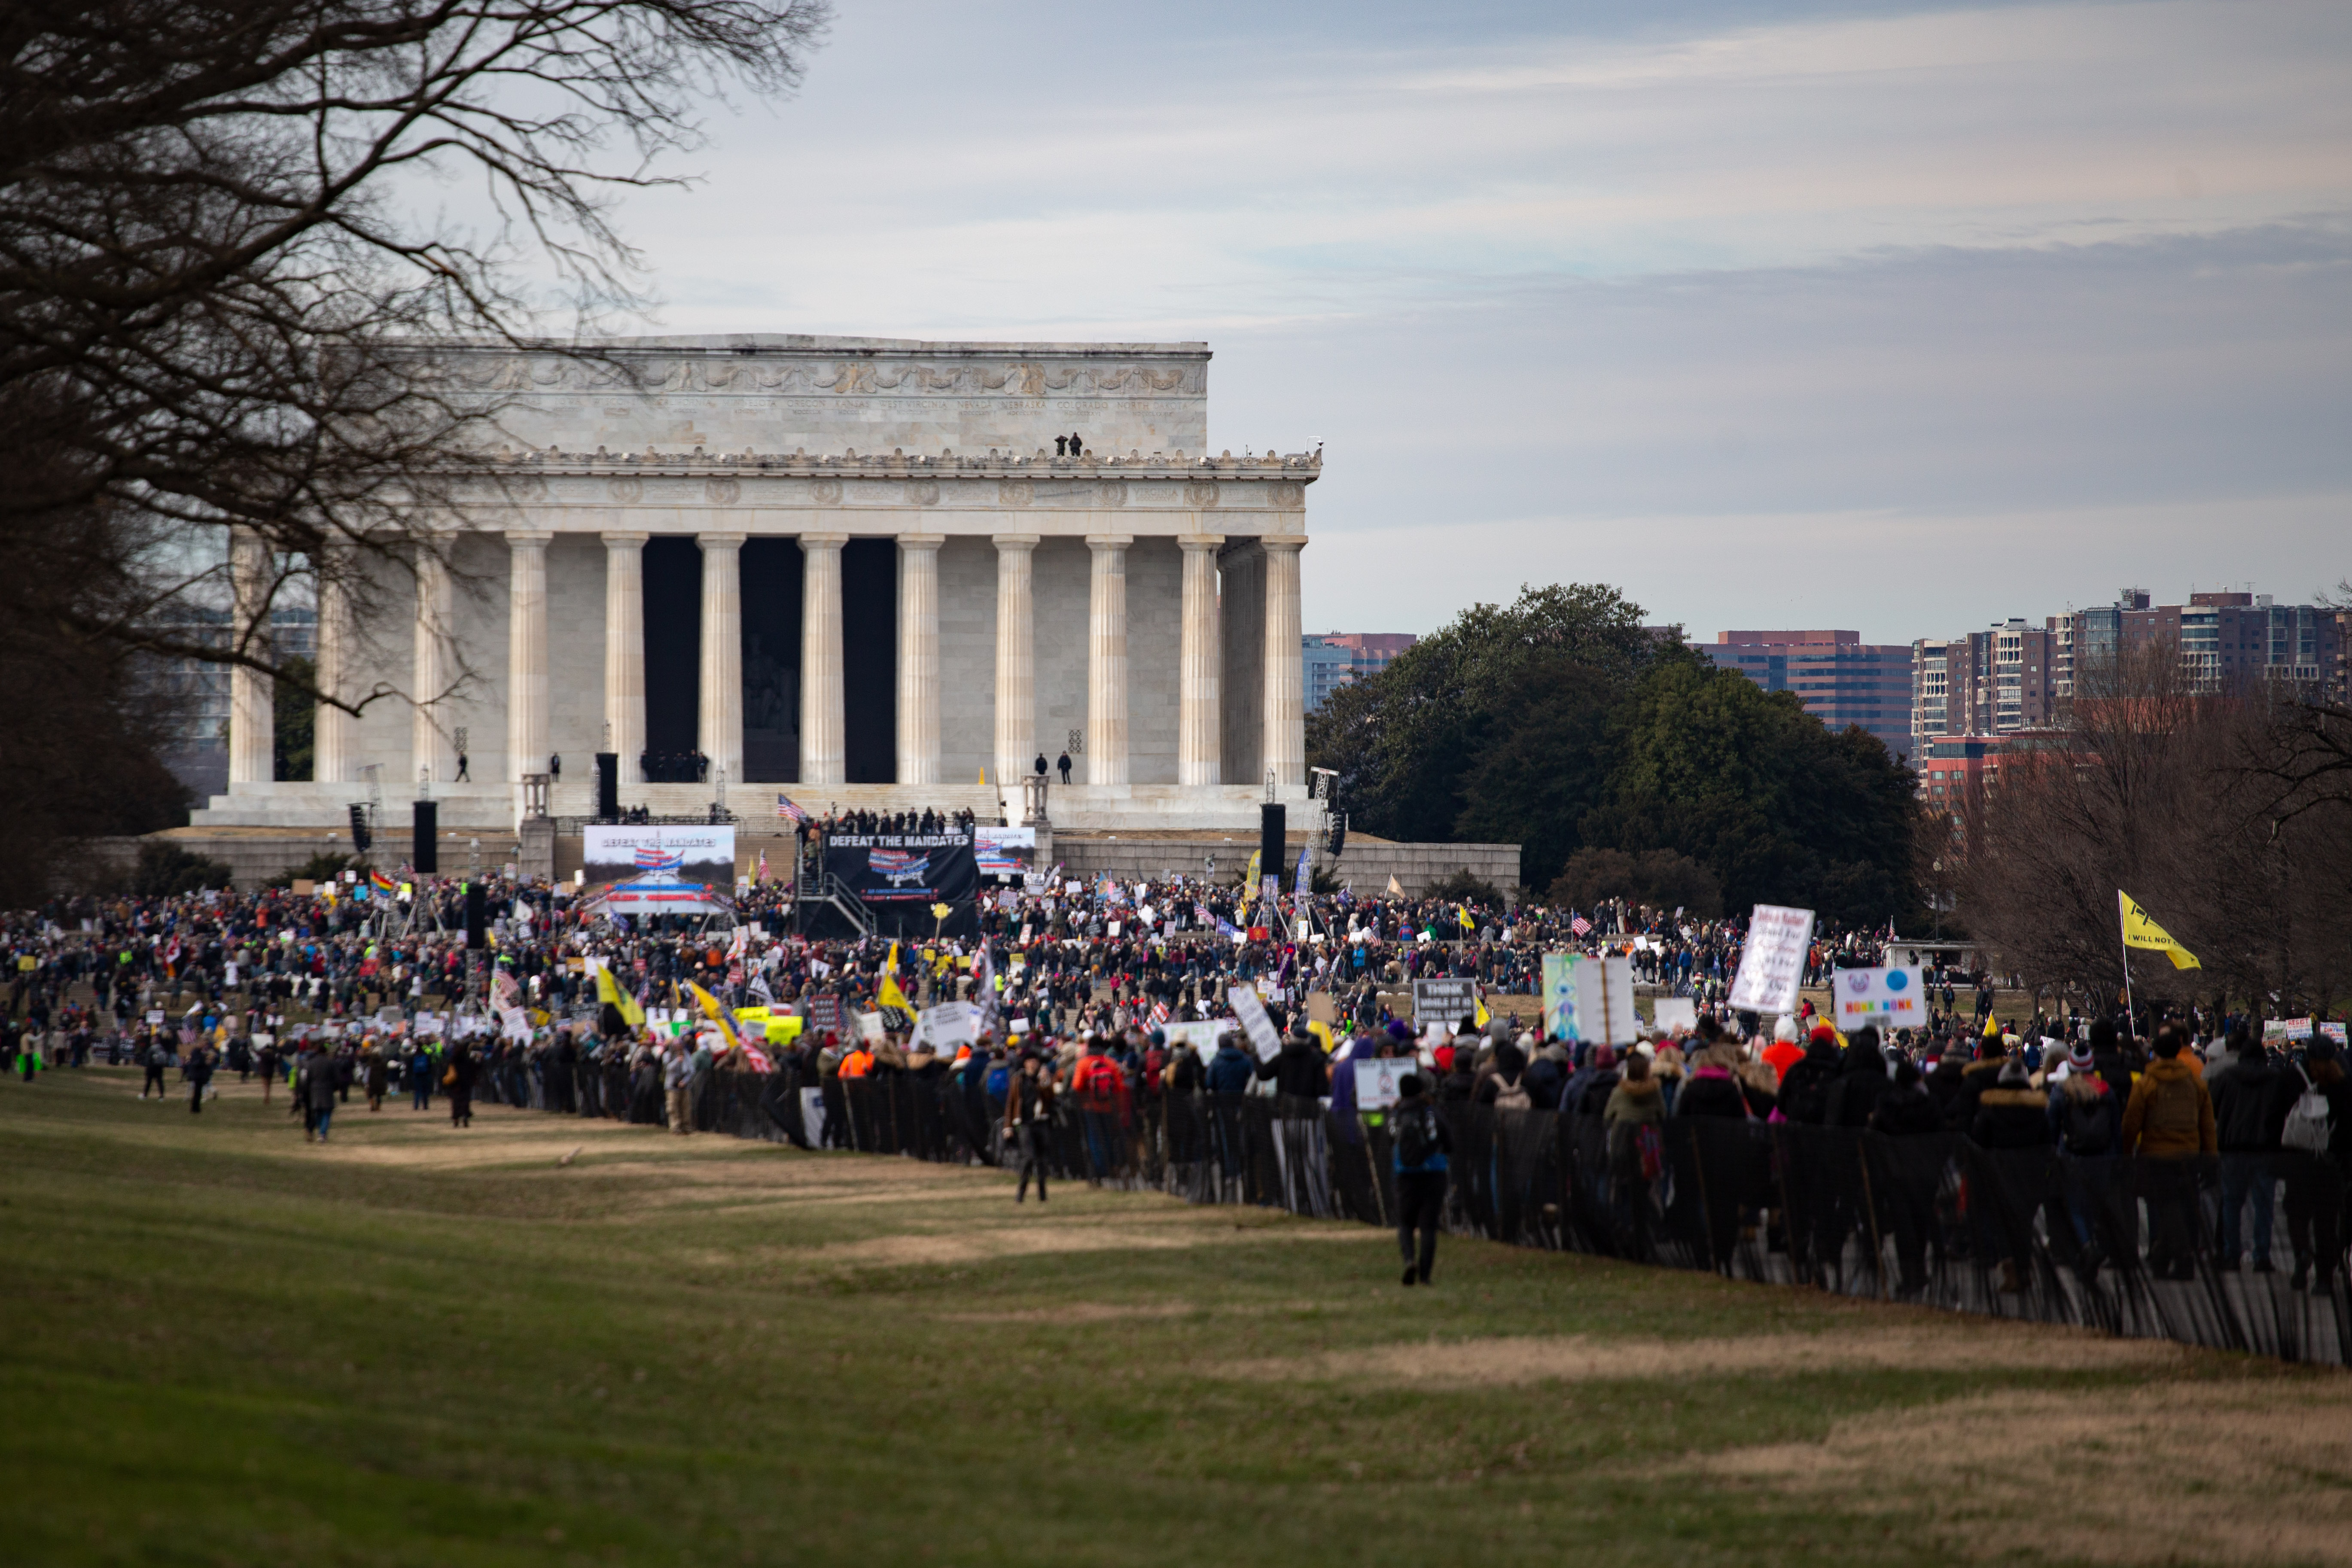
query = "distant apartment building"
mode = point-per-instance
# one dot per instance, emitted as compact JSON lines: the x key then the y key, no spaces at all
{"x":2013,"y":684}
{"x":1840,"y":679}
{"x":2228,"y":643}
{"x":1992,"y":682}
{"x":1335,"y":659}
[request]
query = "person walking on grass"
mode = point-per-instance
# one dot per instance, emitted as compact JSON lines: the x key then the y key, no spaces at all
{"x":459,"y":1079}
{"x":678,"y":1088}
{"x":314,"y":1088}
{"x":1028,"y":1116}
{"x":1420,"y":1143}
{"x":376,"y":1073}
{"x":200,"y":1074}
{"x":156,"y":1059}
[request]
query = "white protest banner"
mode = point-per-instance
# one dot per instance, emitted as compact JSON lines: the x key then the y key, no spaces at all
{"x":1376,"y":1081}
{"x":1772,"y":963}
{"x":949,"y":1025}
{"x":1891,"y":998}
{"x":869,"y":1028}
{"x":1674,"y":1012}
{"x":1253,"y":1015}
{"x":1202,"y":1036}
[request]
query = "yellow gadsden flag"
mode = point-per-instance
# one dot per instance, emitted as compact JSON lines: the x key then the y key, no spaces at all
{"x":2143,"y":932}
{"x":888,"y":993}
{"x":606,"y":991}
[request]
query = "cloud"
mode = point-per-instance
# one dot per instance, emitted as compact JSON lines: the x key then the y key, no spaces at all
{"x":1998,"y":305}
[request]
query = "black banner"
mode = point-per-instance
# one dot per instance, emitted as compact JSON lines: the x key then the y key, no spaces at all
{"x":899,"y":875}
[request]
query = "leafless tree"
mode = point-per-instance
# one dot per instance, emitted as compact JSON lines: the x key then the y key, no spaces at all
{"x":2144,"y":791}
{"x":213,"y":296}
{"x":210,"y":297}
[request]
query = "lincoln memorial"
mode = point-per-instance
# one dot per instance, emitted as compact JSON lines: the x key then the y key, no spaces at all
{"x":856,"y":570}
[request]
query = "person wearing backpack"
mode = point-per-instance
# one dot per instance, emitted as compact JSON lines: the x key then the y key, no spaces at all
{"x":2315,"y":1158}
{"x":2087,"y":1116}
{"x":2168,"y":1125}
{"x":2248,"y":1114}
{"x":1419,"y":1144}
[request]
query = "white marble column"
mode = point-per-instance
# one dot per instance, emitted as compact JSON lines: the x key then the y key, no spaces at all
{"x":823,"y":753}
{"x":252,"y":696}
{"x":918,"y":657}
{"x":527,"y":682}
{"x":720,"y":727}
{"x":432,"y":742}
{"x":331,"y":727}
{"x":1016,"y":664}
{"x":1285,"y":674}
{"x":1106,"y":659}
{"x":1200,"y":735}
{"x":625,"y":651}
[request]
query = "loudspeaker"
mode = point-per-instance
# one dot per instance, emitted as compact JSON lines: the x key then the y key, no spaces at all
{"x":1273,"y":841}
{"x":360,"y":837}
{"x":608,"y":786}
{"x":477,"y":918}
{"x":425,"y":852}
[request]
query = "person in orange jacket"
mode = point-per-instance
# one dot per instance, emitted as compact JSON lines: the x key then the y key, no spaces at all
{"x":2169,"y":1124}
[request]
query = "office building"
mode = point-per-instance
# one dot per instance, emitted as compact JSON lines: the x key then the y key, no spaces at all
{"x":1841,"y":678}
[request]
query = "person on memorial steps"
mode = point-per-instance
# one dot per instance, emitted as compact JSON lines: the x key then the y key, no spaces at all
{"x":1419,"y":1144}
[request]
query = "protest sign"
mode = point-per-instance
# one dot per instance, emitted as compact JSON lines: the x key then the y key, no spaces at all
{"x":1589,"y":998}
{"x":1376,"y":1081}
{"x":948,"y":1026}
{"x":1671,"y":1013}
{"x":1772,"y":963}
{"x":1201,"y":1037}
{"x":1891,"y":998}
{"x":1444,"y":1000}
{"x":1253,"y":1015}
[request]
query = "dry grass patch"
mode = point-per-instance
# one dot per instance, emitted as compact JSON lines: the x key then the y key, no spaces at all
{"x":1958,"y":1345}
{"x":2203,"y":1472}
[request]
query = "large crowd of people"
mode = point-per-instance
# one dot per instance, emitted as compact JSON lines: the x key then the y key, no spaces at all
{"x":1087,"y":1054}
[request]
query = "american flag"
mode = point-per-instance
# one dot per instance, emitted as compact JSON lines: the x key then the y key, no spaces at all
{"x":1160,"y":1013}
{"x":1581,"y":926}
{"x":791,"y":813}
{"x":653,"y":857}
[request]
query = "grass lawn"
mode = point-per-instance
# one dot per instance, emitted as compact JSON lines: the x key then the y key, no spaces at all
{"x":419,"y":1346}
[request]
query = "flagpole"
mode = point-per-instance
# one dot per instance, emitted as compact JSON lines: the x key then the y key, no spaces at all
{"x":2123,"y":931}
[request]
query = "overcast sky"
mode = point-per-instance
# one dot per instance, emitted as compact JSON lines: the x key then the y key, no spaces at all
{"x":1898,"y":319}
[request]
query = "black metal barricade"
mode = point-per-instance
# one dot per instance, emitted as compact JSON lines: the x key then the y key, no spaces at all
{"x":2131,"y":1246}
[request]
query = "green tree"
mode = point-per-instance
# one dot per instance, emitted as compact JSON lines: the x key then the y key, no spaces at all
{"x":166,"y":870}
{"x":1756,"y":790}
{"x":1405,"y":741}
